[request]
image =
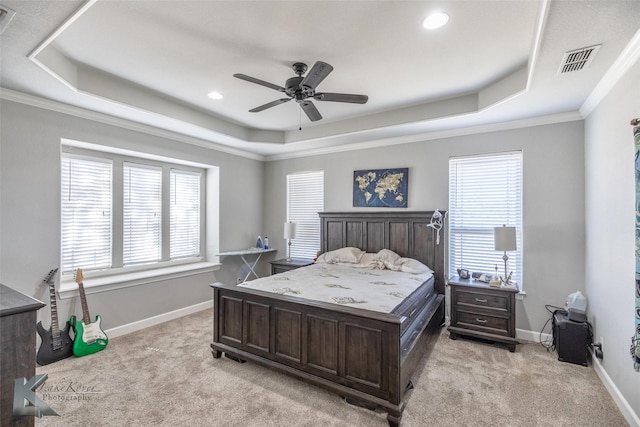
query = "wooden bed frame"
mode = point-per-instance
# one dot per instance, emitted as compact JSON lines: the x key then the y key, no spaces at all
{"x":366,"y":356}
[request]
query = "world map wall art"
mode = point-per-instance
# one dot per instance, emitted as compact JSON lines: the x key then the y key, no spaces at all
{"x":380,"y":188}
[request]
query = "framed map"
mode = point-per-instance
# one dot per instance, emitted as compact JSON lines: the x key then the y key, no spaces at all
{"x":381,"y":188}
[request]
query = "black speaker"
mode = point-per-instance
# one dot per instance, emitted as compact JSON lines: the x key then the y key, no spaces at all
{"x":571,"y":339}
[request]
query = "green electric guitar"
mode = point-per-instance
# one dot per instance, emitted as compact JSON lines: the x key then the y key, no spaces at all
{"x":89,"y":338}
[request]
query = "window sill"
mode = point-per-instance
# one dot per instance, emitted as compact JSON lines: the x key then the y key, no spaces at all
{"x":68,"y":288}
{"x":520,"y":295}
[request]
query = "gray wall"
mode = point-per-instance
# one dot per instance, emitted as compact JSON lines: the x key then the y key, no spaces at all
{"x":553,"y":212}
{"x":610,"y":213}
{"x":30,"y":211}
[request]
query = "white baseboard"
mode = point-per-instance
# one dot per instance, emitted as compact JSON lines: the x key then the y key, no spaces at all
{"x":626,"y":409}
{"x":156,"y":320}
{"x":533,"y":336}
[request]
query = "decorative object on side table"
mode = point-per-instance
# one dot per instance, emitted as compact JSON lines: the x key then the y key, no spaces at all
{"x":289,"y":235}
{"x":380,"y":188}
{"x":505,"y":240}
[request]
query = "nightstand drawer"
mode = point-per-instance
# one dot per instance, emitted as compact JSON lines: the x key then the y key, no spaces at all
{"x":484,"y":300}
{"x":480,"y":322}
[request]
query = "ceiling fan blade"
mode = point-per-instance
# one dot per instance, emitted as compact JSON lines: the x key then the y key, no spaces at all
{"x":259,"y":82}
{"x":269,"y":105}
{"x":311,"y":111}
{"x":318,"y":72}
{"x":341,"y":97}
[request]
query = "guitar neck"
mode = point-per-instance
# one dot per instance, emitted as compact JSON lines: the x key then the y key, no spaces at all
{"x":55,"y":329}
{"x":86,"y":318}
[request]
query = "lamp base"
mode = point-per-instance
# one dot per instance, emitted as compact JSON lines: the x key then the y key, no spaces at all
{"x":288,"y":259}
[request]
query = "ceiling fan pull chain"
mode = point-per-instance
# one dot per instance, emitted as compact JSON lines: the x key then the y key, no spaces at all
{"x":300,"y":117}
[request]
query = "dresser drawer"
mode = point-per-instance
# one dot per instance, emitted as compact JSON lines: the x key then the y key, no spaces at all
{"x":480,"y":322}
{"x":498,"y":302}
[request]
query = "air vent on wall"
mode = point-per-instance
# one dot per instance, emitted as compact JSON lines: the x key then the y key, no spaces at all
{"x":6,"y":15}
{"x":577,"y":60}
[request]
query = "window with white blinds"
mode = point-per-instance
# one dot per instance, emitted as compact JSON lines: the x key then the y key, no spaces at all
{"x":305,"y":198}
{"x":142,"y":214}
{"x":120,"y":211}
{"x":185,"y":214}
{"x":484,"y":192}
{"x":86,"y":213}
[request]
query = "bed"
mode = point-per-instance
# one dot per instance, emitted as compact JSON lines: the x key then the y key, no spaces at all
{"x":364,"y":355}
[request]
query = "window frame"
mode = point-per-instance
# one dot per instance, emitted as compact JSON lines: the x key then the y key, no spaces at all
{"x":485,"y":256}
{"x":118,"y":275}
{"x":307,"y":226}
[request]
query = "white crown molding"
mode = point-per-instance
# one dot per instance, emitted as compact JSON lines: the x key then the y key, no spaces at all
{"x":623,"y":63}
{"x":428,"y":136}
{"x":59,"y":107}
{"x":34,"y":101}
{"x":543,"y":14}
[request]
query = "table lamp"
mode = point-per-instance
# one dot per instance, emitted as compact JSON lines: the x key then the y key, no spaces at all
{"x":504,"y":239}
{"x":289,"y":234}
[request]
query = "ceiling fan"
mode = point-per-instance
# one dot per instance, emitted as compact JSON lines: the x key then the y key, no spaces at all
{"x":301,"y":88}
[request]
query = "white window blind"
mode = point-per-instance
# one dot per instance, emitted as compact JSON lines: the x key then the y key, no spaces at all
{"x":484,"y":192}
{"x":86,"y":213}
{"x":305,"y":198}
{"x":142,"y":214}
{"x":185,"y":214}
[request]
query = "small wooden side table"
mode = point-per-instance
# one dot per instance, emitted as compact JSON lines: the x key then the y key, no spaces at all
{"x":282,"y":265}
{"x":481,"y":311}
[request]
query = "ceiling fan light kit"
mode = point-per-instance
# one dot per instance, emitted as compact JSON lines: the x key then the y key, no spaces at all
{"x":302,"y":88}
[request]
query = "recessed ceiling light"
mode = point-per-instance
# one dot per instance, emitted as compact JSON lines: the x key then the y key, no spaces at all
{"x":215,"y":95}
{"x":435,"y":20}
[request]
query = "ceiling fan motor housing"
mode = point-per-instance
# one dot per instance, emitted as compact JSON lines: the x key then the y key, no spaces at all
{"x":293,"y":88}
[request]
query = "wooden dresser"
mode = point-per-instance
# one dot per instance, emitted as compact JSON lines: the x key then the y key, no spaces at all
{"x":18,"y":348}
{"x":481,"y":311}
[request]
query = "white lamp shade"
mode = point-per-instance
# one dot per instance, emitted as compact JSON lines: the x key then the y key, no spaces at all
{"x":289,"y":230}
{"x":504,"y":238}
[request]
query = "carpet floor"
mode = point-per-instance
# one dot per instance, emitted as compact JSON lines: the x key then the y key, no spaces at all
{"x":165,"y":376}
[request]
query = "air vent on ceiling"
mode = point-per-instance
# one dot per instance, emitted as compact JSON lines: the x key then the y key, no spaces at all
{"x":6,"y":15}
{"x":579,"y":59}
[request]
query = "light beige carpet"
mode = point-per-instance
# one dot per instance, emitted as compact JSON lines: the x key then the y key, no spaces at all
{"x":166,"y":376}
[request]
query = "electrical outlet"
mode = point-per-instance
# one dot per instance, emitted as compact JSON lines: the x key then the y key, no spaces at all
{"x":602,"y":344}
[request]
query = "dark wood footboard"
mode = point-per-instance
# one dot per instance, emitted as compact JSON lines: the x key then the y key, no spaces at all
{"x":355,"y":353}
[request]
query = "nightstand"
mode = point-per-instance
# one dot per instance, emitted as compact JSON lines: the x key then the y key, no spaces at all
{"x":282,"y":265}
{"x":481,"y":311}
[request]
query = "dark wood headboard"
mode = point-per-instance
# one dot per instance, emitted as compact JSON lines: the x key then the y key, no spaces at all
{"x":405,"y":233}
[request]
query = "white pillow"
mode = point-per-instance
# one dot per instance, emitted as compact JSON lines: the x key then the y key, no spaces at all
{"x":347,"y":255}
{"x":322,"y":258}
{"x":410,"y":265}
{"x":385,"y":258}
{"x":367,"y":260}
